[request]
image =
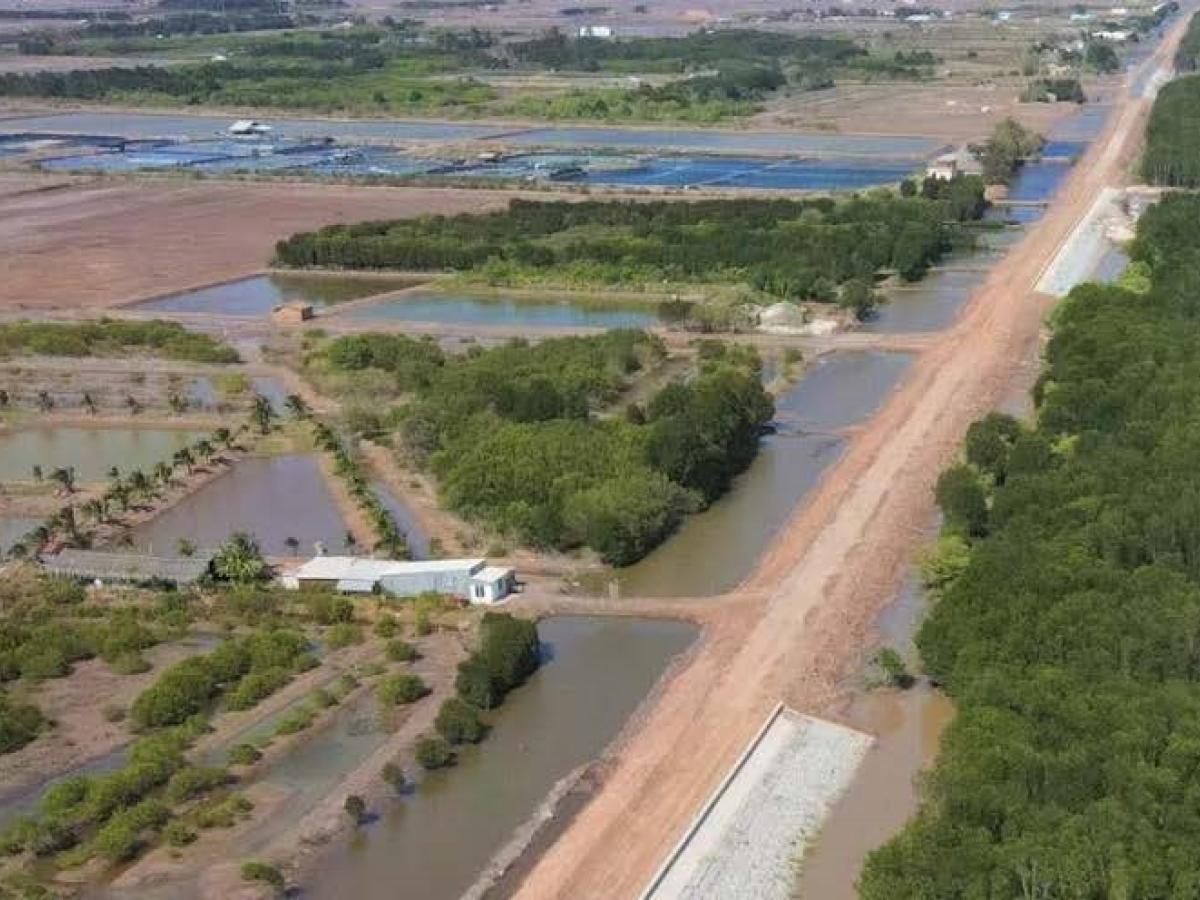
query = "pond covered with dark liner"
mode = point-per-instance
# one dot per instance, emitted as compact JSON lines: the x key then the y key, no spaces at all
{"x":91,"y":451}
{"x":434,"y":843}
{"x":455,"y":309}
{"x":259,"y":294}
{"x":715,"y":550}
{"x":273,"y":498}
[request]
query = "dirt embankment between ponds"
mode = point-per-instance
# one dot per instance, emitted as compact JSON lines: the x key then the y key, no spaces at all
{"x":800,"y":623}
{"x":100,"y":242}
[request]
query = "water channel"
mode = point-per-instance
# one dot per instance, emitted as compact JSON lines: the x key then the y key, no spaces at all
{"x":259,"y":294}
{"x":717,"y":548}
{"x":432,"y":844}
{"x":91,"y":451}
{"x":273,"y":498}
{"x":454,"y":309}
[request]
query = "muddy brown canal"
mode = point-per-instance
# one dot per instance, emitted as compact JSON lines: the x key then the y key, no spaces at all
{"x":715,"y":550}
{"x":433,"y":844}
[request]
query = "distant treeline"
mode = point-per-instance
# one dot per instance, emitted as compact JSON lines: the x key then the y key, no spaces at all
{"x":1067,"y":614}
{"x":786,"y":248}
{"x":514,"y":436}
{"x":1053,"y":90}
{"x":1172,"y":155}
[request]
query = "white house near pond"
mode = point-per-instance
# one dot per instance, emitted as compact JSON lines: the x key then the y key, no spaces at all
{"x":470,"y":579}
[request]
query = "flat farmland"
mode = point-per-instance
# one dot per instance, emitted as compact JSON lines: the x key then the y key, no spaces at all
{"x":92,"y":243}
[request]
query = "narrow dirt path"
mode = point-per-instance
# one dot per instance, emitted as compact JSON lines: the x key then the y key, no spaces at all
{"x":801,"y":620}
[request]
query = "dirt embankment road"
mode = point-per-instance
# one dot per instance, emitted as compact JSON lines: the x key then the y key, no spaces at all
{"x":800,"y":623}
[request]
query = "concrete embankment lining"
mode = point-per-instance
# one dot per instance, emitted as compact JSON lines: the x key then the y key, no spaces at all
{"x":745,"y":840}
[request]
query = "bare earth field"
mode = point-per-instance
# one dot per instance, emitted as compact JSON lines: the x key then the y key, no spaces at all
{"x":66,"y":244}
{"x":798,"y":626}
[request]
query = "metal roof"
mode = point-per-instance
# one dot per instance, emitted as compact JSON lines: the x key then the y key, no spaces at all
{"x":492,"y":574}
{"x":356,"y":568}
{"x":128,"y":567}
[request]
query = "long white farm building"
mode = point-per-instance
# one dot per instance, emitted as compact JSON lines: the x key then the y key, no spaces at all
{"x":470,"y":579}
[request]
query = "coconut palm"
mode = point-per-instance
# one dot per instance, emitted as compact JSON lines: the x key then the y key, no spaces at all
{"x":65,"y":476}
{"x":262,"y":413}
{"x":45,"y":401}
{"x":88,"y":403}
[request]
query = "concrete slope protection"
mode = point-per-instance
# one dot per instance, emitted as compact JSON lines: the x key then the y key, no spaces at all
{"x":799,"y":623}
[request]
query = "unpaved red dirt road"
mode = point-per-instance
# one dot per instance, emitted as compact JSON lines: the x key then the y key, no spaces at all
{"x":800,"y":623}
{"x":86,"y":243}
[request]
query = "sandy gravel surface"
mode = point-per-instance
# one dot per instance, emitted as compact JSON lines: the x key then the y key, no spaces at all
{"x":808,"y":609}
{"x":70,"y":247}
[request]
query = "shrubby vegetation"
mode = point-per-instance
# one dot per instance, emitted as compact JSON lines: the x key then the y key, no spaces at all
{"x":1172,"y":154}
{"x":108,"y":337}
{"x":1010,"y":144}
{"x":246,"y":668}
{"x":1053,"y":90}
{"x":507,"y":655}
{"x":787,"y":249}
{"x":1066,"y":633}
{"x":1187,"y":56}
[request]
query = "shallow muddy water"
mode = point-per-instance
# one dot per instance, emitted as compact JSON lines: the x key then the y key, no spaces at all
{"x":272,"y":498}
{"x":511,"y":311}
{"x":432,"y":844}
{"x":414,"y":536}
{"x":931,"y":303}
{"x":13,"y":528}
{"x":91,"y":451}
{"x":907,"y":726}
{"x":716,"y":549}
{"x":259,"y":294}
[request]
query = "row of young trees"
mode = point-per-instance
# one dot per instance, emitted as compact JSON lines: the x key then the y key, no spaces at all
{"x":1067,"y":614}
{"x":782,"y":247}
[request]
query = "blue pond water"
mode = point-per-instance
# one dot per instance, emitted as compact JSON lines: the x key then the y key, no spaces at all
{"x":460,"y":310}
{"x":348,"y":161}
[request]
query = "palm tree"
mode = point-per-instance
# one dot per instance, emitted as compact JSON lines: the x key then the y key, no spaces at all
{"x":4,"y":398}
{"x":162,"y":473}
{"x":64,"y":476}
{"x":114,"y":474}
{"x":88,"y":403}
{"x":139,"y":483}
{"x":223,"y":436}
{"x":45,"y":401}
{"x":204,"y":449}
{"x":94,"y":510}
{"x":240,"y":560}
{"x":262,"y":413}
{"x":177,"y":403}
{"x":134,"y":406}
{"x":296,"y":406}
{"x":185,"y":547}
{"x":183,"y":457}
{"x":37,"y":472}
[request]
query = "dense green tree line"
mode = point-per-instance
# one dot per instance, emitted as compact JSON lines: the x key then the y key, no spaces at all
{"x":785,"y":248}
{"x":1172,"y":154}
{"x":1068,"y":633}
{"x":1006,"y":150}
{"x":1187,"y":56}
{"x":515,"y":436}
{"x":109,"y":337}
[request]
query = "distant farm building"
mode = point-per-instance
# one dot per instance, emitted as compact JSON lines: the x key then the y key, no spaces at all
{"x":292,"y":312}
{"x":595,"y":31}
{"x":243,"y":127}
{"x":949,"y":165}
{"x":128,"y":568}
{"x":468,"y":579}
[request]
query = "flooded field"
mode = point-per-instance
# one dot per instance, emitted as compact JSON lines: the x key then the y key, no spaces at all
{"x":931,"y":303}
{"x":258,"y":295}
{"x":91,"y":451}
{"x":13,"y":528}
{"x":716,"y":549}
{"x":451,"y":309}
{"x":433,"y":844}
{"x":273,"y":498}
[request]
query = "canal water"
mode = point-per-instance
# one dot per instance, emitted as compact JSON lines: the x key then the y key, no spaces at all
{"x":90,"y":450}
{"x":715,"y":550}
{"x":259,"y":294}
{"x":434,"y":843}
{"x":414,"y":535}
{"x":13,"y":528}
{"x":504,"y":311}
{"x":272,"y":498}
